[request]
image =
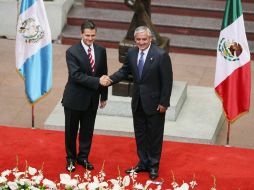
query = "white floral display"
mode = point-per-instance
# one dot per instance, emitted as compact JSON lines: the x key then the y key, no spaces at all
{"x":33,"y":179}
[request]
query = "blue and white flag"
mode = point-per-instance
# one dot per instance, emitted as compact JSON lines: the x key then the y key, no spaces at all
{"x":34,"y":49}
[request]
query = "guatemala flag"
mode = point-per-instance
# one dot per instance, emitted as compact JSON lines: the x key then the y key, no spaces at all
{"x":34,"y":49}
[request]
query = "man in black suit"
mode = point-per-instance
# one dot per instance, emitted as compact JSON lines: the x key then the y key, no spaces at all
{"x":153,"y":77}
{"x":87,"y":63}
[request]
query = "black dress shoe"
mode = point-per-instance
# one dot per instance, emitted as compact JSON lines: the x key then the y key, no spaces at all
{"x":153,"y":174}
{"x":137,"y":169}
{"x":70,"y":166}
{"x":87,"y":165}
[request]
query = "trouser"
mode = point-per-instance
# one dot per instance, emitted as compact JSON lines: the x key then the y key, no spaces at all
{"x":74,"y":119}
{"x":149,"y":131}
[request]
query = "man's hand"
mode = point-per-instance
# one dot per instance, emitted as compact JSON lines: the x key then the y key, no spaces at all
{"x":103,"y":104}
{"x":161,"y":109}
{"x":105,"y":80}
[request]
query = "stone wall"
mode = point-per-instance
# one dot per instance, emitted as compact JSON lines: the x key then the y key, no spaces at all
{"x":57,"y":11}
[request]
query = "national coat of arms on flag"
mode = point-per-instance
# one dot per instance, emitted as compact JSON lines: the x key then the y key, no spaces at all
{"x":34,"y":49}
{"x":233,"y":73}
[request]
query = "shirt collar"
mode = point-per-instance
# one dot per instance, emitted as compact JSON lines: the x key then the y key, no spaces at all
{"x":145,"y":51}
{"x":86,"y":46}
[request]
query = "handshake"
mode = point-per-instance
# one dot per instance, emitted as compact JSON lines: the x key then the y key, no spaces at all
{"x":105,"y":80}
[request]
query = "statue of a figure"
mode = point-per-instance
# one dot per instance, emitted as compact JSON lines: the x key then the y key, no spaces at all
{"x":141,"y":17}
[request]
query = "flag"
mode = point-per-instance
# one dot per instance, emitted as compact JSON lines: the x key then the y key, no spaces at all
{"x":34,"y":49}
{"x":233,"y":66}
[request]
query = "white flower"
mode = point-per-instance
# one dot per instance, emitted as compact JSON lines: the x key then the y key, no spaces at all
{"x":48,"y":183}
{"x":12,"y":185}
{"x":101,"y":175}
{"x":66,"y":180}
{"x":87,"y":175}
{"x":119,"y":179}
{"x":93,"y":186}
{"x":126,"y":181}
{"x":184,"y":186}
{"x":31,"y":170}
{"x":133,"y":175}
{"x":33,"y":188}
{"x":82,"y":185}
{"x":37,"y":179}
{"x":193,"y":184}
{"x":18,"y":174}
{"x":138,"y":186}
{"x":116,"y":187}
{"x":3,"y":179}
{"x":76,"y":176}
{"x":174,"y":184}
{"x":148,"y":182}
{"x":15,"y":169}
{"x":6,"y":173}
{"x":96,"y":184}
{"x":25,"y":181}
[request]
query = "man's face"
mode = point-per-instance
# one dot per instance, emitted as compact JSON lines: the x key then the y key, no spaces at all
{"x":143,"y":40}
{"x":88,"y":36}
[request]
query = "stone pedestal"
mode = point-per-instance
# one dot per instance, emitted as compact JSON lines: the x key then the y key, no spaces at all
{"x":121,"y":106}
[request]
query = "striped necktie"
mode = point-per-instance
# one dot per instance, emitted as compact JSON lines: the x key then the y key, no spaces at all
{"x":141,"y":64}
{"x":91,"y":59}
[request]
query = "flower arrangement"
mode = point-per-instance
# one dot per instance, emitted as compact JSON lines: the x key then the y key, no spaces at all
{"x":33,"y":179}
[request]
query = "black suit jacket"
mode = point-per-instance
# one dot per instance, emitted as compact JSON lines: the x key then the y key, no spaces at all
{"x":83,"y":87}
{"x":155,"y":85}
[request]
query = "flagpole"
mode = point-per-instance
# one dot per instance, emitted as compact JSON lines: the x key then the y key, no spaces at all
{"x":33,"y":116}
{"x":17,"y":12}
{"x":228,"y":134}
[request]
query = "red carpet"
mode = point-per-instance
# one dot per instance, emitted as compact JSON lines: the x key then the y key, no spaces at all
{"x":232,"y":167}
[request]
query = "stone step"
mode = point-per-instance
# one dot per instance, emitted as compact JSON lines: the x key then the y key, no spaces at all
{"x":199,"y":120}
{"x":178,"y":43}
{"x":178,"y":97}
{"x":201,"y":8}
{"x":174,"y":24}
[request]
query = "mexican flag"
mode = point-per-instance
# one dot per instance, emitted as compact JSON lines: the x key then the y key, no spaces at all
{"x":233,"y":67}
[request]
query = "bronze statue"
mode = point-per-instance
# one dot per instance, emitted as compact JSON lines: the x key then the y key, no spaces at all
{"x":141,"y":17}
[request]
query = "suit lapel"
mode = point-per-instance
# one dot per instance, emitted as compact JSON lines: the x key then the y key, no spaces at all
{"x":97,"y":57}
{"x":148,"y":61}
{"x":134,"y":59}
{"x":85,"y":58}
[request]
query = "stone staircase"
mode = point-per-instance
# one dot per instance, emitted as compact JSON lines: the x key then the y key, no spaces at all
{"x":193,"y":26}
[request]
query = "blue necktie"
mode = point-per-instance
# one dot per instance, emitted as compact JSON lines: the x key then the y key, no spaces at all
{"x":141,"y":64}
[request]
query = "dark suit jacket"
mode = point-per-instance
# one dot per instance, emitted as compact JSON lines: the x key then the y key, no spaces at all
{"x":155,"y":85}
{"x":83,"y":88}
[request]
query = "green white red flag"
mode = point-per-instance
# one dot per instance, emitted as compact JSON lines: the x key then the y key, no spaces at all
{"x":233,"y":66}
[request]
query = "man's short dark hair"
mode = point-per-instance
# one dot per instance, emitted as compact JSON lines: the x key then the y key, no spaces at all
{"x":88,"y":24}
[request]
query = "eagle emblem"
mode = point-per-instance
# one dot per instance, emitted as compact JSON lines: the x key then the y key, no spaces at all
{"x":230,"y":49}
{"x":31,"y":31}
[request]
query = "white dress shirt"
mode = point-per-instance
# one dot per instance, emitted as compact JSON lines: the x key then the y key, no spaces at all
{"x":86,"y":49}
{"x":145,"y":54}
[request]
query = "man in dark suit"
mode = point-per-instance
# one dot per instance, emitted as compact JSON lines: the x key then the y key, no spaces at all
{"x":153,"y":77}
{"x":87,"y":63}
